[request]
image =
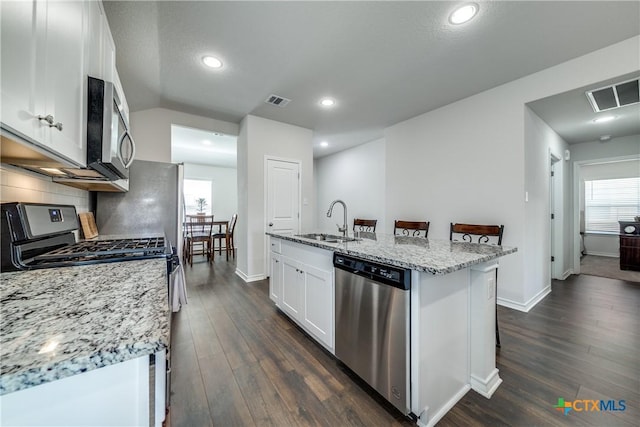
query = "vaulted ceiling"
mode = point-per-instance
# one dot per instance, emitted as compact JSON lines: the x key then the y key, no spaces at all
{"x":382,"y":61}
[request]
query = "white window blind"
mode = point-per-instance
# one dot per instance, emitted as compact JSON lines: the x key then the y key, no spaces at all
{"x":608,"y":201}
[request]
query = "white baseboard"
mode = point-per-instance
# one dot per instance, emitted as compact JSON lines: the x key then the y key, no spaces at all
{"x":566,"y":274}
{"x":431,"y":421}
{"x":607,"y":254}
{"x":486,"y":386}
{"x":527,"y":305}
{"x":252,"y":278}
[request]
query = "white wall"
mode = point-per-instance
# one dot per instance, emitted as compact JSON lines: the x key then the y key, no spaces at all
{"x":592,"y":152}
{"x":541,"y":143}
{"x":22,"y":186}
{"x":151,"y":130}
{"x":224,"y":188}
{"x":602,"y":245}
{"x":355,"y":176}
{"x":470,"y":161}
{"x":258,"y":138}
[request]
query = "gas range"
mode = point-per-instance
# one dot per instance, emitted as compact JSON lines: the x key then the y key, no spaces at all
{"x":42,"y":236}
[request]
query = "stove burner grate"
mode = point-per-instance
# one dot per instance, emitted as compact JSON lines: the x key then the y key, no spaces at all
{"x":106,"y":249}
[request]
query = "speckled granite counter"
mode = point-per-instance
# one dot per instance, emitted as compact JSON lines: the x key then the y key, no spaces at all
{"x":417,"y":253}
{"x":59,"y":322}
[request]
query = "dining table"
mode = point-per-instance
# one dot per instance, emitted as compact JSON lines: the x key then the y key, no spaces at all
{"x":215,"y":223}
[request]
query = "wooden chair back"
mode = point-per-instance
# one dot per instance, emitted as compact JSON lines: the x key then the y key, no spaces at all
{"x":365,"y":225}
{"x":476,"y":233}
{"x":411,"y":228}
{"x":199,"y":227}
{"x":232,"y":224}
{"x":198,"y":239}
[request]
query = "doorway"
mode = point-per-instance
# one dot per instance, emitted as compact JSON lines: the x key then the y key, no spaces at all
{"x":607,"y":190}
{"x":282,"y":202}
{"x":555,"y":228}
{"x":209,"y":179}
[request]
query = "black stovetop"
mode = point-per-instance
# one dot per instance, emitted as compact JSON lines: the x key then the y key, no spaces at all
{"x":93,"y":251}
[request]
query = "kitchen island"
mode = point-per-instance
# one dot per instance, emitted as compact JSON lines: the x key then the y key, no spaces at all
{"x":85,"y":344}
{"x":451,"y":315}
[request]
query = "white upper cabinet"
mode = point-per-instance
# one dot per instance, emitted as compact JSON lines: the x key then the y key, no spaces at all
{"x":18,"y":48}
{"x":48,"y":50}
{"x":100,"y":61}
{"x":61,"y":85}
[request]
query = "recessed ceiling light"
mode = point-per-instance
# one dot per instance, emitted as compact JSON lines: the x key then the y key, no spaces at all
{"x":206,"y":142}
{"x":324,"y":144}
{"x":211,"y":61}
{"x":463,"y":14}
{"x":605,"y":137}
{"x":604,"y":119}
{"x":327,"y":102}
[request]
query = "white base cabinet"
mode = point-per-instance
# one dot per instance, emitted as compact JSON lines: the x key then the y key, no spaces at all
{"x":302,"y":286}
{"x":116,"y":395}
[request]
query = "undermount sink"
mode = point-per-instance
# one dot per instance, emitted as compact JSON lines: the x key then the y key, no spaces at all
{"x":329,"y":238}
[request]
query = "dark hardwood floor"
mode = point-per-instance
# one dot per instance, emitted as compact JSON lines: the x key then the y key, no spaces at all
{"x":237,"y":361}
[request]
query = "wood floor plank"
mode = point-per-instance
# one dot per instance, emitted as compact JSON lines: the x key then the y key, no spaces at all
{"x":189,"y":406}
{"x":226,"y":403}
{"x":265,"y":404}
{"x":239,"y":361}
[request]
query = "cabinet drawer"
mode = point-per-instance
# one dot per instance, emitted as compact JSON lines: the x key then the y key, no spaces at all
{"x":276,"y":245}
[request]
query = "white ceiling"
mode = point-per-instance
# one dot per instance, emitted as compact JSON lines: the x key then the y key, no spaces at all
{"x":189,"y":145}
{"x":383,"y":61}
{"x":570,"y":114}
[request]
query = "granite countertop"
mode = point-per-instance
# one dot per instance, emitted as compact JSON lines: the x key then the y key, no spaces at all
{"x":58,"y":322}
{"x":417,"y":253}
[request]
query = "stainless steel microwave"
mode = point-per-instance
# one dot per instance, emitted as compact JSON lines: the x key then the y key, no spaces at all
{"x":110,"y":147}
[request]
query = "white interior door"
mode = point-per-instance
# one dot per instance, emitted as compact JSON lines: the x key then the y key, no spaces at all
{"x":283,"y":200}
{"x":283,"y":196}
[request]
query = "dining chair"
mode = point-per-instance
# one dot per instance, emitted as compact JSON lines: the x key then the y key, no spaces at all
{"x":368,"y":225}
{"x":485,"y":234}
{"x":228,"y":238}
{"x":411,"y":228}
{"x":198,"y":238}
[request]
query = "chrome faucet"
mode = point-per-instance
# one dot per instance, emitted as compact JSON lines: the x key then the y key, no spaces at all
{"x":344,"y":228}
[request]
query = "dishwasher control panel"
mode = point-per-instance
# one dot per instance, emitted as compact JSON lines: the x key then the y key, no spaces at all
{"x":389,"y":274}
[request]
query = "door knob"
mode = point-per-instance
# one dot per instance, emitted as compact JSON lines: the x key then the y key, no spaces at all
{"x":270,"y":224}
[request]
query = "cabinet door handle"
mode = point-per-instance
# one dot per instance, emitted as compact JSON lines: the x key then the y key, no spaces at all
{"x":49,"y":119}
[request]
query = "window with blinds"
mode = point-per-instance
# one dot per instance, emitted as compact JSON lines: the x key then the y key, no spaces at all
{"x":608,"y":201}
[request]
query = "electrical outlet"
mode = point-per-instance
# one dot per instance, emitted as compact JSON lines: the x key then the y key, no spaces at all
{"x":490,"y":288}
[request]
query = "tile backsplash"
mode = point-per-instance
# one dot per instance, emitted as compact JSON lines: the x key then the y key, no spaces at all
{"x":23,"y":186}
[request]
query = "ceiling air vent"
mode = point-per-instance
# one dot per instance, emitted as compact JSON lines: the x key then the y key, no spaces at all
{"x":616,"y":96}
{"x":276,"y":100}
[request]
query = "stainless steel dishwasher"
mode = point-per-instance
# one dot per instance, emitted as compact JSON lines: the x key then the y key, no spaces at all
{"x":372,"y":325}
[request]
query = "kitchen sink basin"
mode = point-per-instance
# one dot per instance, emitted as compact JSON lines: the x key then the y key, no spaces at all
{"x":329,"y":238}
